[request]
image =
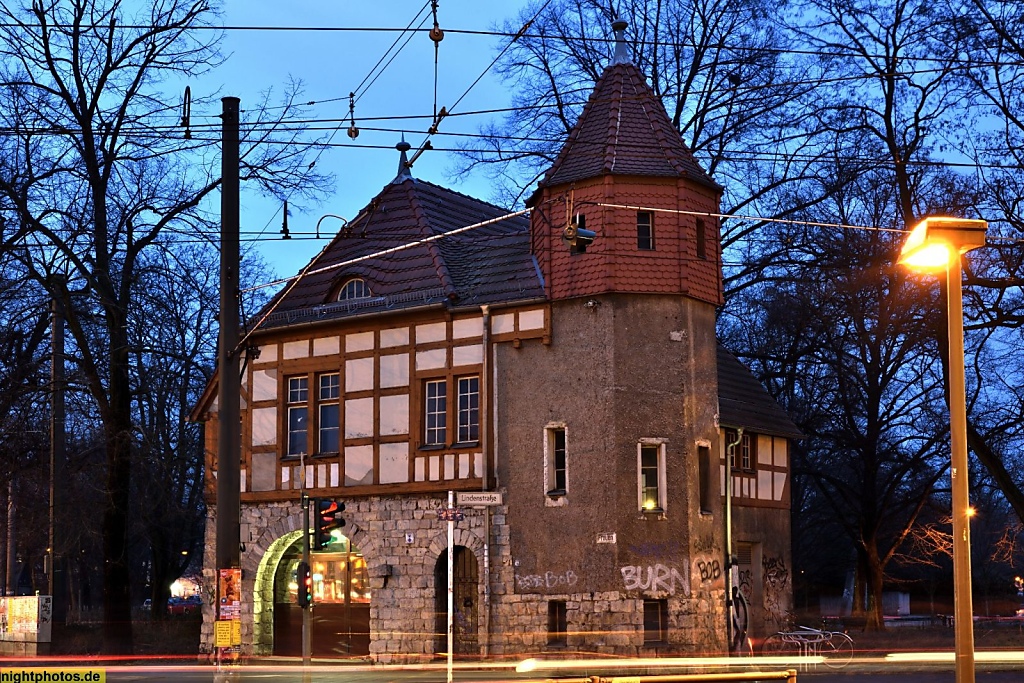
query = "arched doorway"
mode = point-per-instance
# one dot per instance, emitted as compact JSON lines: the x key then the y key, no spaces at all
{"x":465,"y":589}
{"x":341,"y":598}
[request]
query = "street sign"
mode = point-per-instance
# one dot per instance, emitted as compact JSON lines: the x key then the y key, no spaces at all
{"x":450,"y":514}
{"x":606,"y":537}
{"x":478,"y":498}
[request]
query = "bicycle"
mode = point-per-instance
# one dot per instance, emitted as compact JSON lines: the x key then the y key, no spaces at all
{"x":835,"y":647}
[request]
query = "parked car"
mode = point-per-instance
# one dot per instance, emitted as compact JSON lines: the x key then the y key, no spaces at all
{"x":187,"y":605}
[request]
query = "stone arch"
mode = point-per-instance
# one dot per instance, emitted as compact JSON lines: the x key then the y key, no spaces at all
{"x":262,"y":559}
{"x":465,"y":537}
{"x":438,"y":549}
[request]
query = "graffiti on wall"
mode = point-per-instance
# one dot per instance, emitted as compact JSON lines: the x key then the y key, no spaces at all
{"x":656,"y":577}
{"x":708,"y":570}
{"x":745,"y":583}
{"x":547,"y":580}
{"x":776,"y":582}
{"x":705,"y":544}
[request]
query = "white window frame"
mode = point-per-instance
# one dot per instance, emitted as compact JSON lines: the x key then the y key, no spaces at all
{"x":354,"y":288}
{"x":551,"y":488}
{"x":747,"y":448}
{"x":298,"y":400}
{"x":706,"y":478}
{"x":660,"y":446}
{"x":431,"y":434}
{"x":467,"y":420}
{"x":331,"y":400}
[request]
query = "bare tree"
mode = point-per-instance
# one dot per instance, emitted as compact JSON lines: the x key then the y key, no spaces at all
{"x":837,"y":345}
{"x":93,"y":175}
{"x":24,"y":364}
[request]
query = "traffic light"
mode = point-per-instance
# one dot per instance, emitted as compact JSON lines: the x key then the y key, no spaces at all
{"x":304,"y":578}
{"x":577,"y":235}
{"x":326,"y":518}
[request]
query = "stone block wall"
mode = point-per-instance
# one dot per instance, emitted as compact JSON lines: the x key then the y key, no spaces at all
{"x":402,"y":539}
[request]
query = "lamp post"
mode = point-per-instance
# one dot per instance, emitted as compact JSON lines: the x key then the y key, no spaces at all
{"x":935,"y":244}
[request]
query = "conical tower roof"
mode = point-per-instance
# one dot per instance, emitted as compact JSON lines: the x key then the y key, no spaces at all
{"x":624,"y":130}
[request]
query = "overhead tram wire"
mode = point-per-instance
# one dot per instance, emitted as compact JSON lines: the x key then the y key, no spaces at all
{"x":446,"y":111}
{"x":809,"y":51}
{"x":734,"y":156}
{"x":436,"y":35}
{"x":293,"y":281}
{"x":389,"y":250}
{"x":745,"y":217}
{"x":354,"y":98}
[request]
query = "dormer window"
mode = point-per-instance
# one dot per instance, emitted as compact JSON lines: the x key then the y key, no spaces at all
{"x":356,"y":288}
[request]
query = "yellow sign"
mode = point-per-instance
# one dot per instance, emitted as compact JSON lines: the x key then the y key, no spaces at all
{"x":222,"y":632}
{"x":236,"y":631}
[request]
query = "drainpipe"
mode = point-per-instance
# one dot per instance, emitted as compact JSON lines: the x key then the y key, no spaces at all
{"x":728,"y":537}
{"x":484,"y":444}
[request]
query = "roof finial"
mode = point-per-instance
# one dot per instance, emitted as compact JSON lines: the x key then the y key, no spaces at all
{"x":621,"y":55}
{"x":404,"y":173}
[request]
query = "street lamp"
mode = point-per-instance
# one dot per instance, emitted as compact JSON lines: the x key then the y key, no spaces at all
{"x":935,"y":244}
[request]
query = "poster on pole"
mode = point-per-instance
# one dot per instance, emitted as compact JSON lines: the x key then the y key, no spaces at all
{"x":228,"y":629}
{"x":229,"y":592}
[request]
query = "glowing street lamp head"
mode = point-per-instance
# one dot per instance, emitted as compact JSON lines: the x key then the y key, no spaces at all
{"x":934,"y":241}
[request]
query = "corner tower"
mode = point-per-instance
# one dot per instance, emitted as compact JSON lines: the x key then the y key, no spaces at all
{"x":626,"y":169}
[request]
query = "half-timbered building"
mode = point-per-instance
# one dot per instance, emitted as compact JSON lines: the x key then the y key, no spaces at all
{"x":439,"y":344}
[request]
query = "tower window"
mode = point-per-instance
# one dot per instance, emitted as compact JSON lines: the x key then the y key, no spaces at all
{"x":555,"y":461}
{"x":702,"y":239}
{"x":645,"y":230}
{"x":704,"y":478}
{"x":651,"y":475}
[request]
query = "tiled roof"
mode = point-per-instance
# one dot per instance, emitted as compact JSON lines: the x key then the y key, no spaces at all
{"x":487,"y":265}
{"x":743,"y":402}
{"x":624,"y":130}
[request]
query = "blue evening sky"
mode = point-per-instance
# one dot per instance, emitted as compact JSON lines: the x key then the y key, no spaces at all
{"x":331,"y":64}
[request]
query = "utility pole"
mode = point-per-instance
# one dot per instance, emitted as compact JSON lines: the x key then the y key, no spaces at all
{"x":12,"y":556}
{"x":307,"y":611}
{"x":56,"y":578}
{"x":229,"y":438}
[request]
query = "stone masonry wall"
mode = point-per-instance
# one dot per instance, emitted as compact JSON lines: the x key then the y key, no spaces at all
{"x":403,"y":593}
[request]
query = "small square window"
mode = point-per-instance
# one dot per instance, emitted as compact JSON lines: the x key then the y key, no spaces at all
{"x":644,"y":230}
{"x":557,"y":626}
{"x":655,"y":622}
